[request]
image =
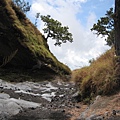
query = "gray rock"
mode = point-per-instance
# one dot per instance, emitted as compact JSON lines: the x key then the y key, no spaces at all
{"x":24,"y":103}
{"x":4,"y":96}
{"x":76,"y":97}
{"x":9,"y":107}
{"x":14,"y":106}
{"x":4,"y":116}
{"x":91,"y":117}
{"x":99,"y":118}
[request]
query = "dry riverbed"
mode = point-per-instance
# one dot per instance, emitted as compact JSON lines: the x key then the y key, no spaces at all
{"x":37,"y":100}
{"x":56,"y":100}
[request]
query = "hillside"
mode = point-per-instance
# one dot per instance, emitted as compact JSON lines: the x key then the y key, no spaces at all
{"x":22,"y":46}
{"x":98,"y":78}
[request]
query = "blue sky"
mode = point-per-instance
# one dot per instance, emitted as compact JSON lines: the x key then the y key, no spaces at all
{"x":79,"y":15}
{"x":98,"y":7}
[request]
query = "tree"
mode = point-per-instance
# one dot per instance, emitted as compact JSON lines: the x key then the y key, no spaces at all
{"x":117,"y":27}
{"x":105,"y":27}
{"x":117,"y":43}
{"x":24,"y":6}
{"x":37,"y":16}
{"x":55,"y":30}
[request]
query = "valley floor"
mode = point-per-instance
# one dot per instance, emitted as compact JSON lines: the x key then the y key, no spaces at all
{"x":54,"y":100}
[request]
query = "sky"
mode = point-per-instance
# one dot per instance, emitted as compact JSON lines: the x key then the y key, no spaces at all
{"x":79,"y":16}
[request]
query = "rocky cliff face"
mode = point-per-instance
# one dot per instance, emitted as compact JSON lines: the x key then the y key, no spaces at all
{"x":21,"y":43}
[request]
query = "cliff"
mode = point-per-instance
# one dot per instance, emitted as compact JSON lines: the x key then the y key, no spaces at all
{"x":21,"y":43}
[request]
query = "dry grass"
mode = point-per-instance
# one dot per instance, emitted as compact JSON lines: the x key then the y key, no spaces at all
{"x":98,"y":78}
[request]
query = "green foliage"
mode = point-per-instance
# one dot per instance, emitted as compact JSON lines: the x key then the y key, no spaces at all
{"x":105,"y":27}
{"x":55,"y":30}
{"x":24,"y":6}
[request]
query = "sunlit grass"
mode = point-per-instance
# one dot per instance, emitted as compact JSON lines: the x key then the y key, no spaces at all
{"x":98,"y":78}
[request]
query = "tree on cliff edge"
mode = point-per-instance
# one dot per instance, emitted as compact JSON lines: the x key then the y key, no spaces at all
{"x":54,"y":29}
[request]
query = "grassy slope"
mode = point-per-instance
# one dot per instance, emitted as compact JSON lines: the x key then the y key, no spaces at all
{"x":98,"y":78}
{"x":29,"y":36}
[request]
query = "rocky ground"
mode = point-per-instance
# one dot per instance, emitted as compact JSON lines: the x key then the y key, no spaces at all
{"x":37,"y":101}
{"x":56,"y":100}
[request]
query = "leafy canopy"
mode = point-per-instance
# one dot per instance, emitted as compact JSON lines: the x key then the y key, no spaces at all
{"x":55,"y":30}
{"x":105,"y":27}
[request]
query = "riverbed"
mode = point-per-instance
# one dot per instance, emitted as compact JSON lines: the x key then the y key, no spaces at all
{"x":46,"y":100}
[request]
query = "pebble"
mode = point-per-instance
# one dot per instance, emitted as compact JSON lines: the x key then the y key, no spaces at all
{"x":114,"y":112}
{"x":77,"y":106}
{"x":63,"y":110}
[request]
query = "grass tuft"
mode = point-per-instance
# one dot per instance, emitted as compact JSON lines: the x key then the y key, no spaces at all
{"x":98,"y":78}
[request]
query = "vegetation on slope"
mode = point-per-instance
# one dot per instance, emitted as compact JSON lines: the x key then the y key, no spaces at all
{"x":20,"y":39}
{"x":98,"y":78}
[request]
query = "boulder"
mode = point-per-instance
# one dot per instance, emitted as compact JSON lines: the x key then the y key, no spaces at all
{"x":12,"y":106}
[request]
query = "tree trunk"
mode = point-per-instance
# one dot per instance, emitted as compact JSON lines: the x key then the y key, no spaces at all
{"x":117,"y":27}
{"x":117,"y":43}
{"x":48,"y":35}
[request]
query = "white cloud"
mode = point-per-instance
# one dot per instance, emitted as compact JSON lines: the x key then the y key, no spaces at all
{"x":85,"y":46}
